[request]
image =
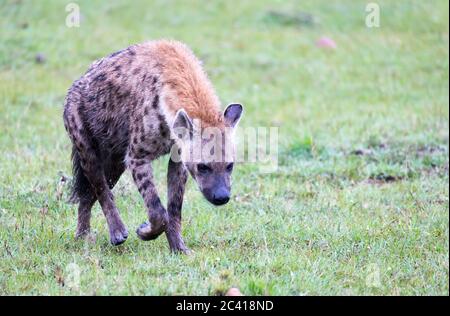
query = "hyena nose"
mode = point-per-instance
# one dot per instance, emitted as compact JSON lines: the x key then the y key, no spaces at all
{"x":221,"y":197}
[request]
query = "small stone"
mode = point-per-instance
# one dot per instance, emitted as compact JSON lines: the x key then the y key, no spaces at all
{"x":234,"y":291}
{"x":327,"y":43}
{"x":361,"y":152}
{"x":40,"y":58}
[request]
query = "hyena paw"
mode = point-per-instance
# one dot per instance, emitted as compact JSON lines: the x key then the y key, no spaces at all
{"x":181,"y":250}
{"x":147,"y":231}
{"x":176,"y":244}
{"x":82,"y":233}
{"x":118,"y":236}
{"x":152,"y":229}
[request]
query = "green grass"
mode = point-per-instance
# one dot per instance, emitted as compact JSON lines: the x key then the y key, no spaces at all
{"x":360,"y":201}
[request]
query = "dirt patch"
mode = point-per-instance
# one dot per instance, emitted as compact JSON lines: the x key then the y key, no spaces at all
{"x":361,"y":152}
{"x":428,"y":150}
{"x":298,"y":19}
{"x":383,"y":178}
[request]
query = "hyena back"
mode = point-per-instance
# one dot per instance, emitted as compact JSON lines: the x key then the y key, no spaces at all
{"x":125,"y":112}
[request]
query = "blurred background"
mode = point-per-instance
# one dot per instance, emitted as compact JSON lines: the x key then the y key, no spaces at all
{"x":375,"y":81}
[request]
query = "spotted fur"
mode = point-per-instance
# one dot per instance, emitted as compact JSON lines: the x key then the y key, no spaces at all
{"x":120,"y":114}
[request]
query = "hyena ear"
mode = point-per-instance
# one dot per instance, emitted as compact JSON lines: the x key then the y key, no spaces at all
{"x":182,"y":125}
{"x":232,"y":114}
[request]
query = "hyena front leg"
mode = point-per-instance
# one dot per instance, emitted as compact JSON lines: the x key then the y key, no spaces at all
{"x":176,"y":182}
{"x":158,"y":218}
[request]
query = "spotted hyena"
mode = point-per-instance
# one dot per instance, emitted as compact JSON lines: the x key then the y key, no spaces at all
{"x":134,"y":106}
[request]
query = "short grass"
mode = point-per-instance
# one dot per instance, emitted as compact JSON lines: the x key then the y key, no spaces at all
{"x":359,"y":204}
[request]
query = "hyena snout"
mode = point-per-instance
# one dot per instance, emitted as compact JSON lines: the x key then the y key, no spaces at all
{"x":221,"y":196}
{"x":214,"y":181}
{"x":218,"y":195}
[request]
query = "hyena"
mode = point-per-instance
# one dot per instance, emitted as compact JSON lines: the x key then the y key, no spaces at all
{"x":132,"y":107}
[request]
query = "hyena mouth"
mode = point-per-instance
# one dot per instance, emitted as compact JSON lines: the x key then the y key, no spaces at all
{"x":220,"y":202}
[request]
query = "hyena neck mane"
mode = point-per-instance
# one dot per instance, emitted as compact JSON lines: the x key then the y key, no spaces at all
{"x":185,"y":85}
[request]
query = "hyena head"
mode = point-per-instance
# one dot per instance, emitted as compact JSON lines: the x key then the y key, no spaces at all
{"x":208,"y":152}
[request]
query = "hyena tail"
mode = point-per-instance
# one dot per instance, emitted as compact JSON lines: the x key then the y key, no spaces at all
{"x":80,"y":184}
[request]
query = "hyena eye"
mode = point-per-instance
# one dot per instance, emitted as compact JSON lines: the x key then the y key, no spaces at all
{"x":202,"y":168}
{"x":230,"y":167}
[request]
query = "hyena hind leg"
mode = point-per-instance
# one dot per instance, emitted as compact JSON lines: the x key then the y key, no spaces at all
{"x":86,"y":195}
{"x":84,"y":216}
{"x":82,"y":193}
{"x":97,"y":178}
{"x":94,"y":171}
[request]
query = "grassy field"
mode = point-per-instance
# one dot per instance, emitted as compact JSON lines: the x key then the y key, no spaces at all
{"x":359,"y":204}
